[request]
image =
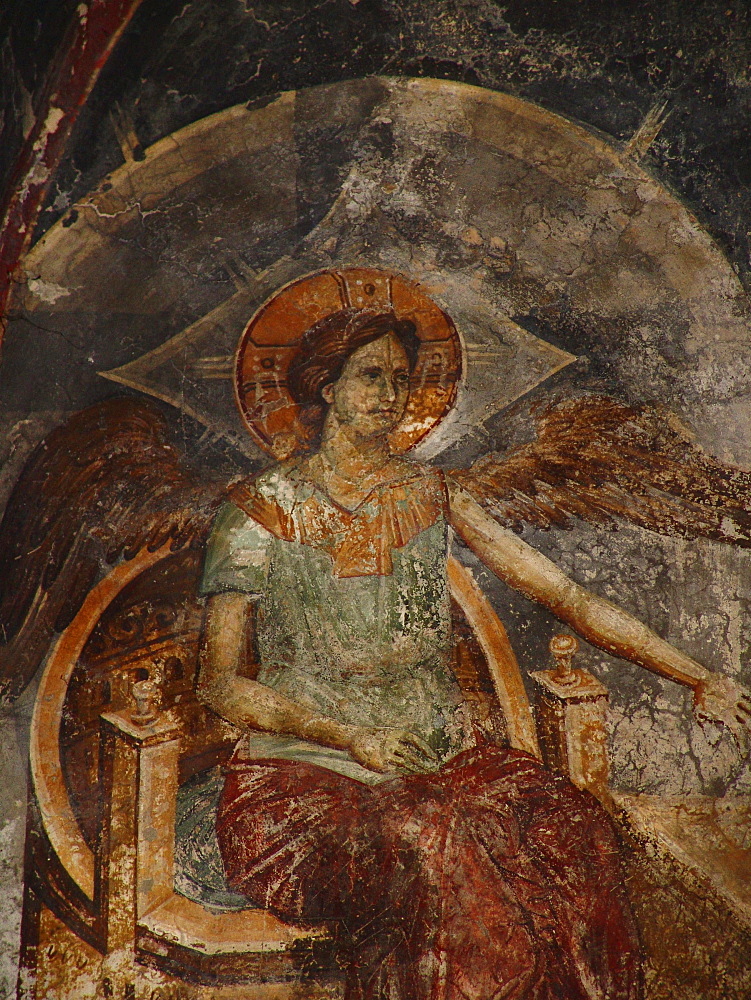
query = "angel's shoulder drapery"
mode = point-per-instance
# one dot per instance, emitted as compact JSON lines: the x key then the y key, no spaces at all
{"x":282,"y":505}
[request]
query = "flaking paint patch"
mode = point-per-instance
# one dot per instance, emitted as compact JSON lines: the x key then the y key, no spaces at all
{"x":47,"y":291}
{"x":53,"y":119}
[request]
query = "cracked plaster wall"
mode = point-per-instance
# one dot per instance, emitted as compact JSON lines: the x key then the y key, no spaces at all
{"x":696,"y":595}
{"x":605,"y":65}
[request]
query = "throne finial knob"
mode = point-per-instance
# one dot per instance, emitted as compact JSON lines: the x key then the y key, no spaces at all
{"x":145,"y":694}
{"x":563,"y":647}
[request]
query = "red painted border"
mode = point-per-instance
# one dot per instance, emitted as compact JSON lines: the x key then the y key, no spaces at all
{"x":87,"y":44}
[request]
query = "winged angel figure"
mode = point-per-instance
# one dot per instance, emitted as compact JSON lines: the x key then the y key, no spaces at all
{"x":358,"y":793}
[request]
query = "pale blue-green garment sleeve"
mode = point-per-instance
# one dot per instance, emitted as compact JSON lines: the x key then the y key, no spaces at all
{"x":236,"y":554}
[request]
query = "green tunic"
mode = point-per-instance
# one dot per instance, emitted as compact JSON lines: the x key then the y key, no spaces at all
{"x":369,"y":650}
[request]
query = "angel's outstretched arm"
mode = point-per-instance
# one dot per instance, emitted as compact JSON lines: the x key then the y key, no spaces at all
{"x":594,"y":618}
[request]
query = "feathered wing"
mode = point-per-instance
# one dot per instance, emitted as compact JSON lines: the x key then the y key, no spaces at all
{"x":600,"y":461}
{"x":97,"y":489}
{"x":108,"y":483}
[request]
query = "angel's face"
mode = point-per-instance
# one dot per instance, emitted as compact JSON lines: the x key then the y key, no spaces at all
{"x":370,"y":396}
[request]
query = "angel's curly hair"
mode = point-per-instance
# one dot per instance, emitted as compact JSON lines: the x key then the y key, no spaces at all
{"x":323,"y":352}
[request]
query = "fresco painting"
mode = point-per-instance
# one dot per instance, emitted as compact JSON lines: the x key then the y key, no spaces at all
{"x":293,"y":603}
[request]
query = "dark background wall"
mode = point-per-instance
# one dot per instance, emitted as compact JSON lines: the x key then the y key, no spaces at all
{"x":605,"y":65}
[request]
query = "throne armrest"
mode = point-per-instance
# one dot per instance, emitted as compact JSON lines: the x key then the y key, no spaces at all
{"x":571,"y":711}
{"x":135,"y":857}
{"x":144,"y":918}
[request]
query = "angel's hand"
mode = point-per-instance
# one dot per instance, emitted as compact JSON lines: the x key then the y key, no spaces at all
{"x":387,"y":750}
{"x":719,"y":698}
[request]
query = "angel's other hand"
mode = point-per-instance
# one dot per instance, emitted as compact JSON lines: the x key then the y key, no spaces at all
{"x":392,"y":750}
{"x":719,"y":698}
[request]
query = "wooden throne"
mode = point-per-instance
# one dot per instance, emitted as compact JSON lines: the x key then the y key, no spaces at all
{"x":102,"y":917}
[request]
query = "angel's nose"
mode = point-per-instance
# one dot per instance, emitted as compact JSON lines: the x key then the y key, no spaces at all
{"x":388,"y":390}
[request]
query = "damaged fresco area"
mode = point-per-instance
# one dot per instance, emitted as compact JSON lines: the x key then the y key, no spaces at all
{"x":664,"y":583}
{"x":562,"y":265}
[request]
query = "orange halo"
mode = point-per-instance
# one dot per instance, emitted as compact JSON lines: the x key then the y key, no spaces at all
{"x":271,"y":337}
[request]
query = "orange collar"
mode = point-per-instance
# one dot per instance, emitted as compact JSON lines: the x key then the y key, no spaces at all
{"x":360,"y":541}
